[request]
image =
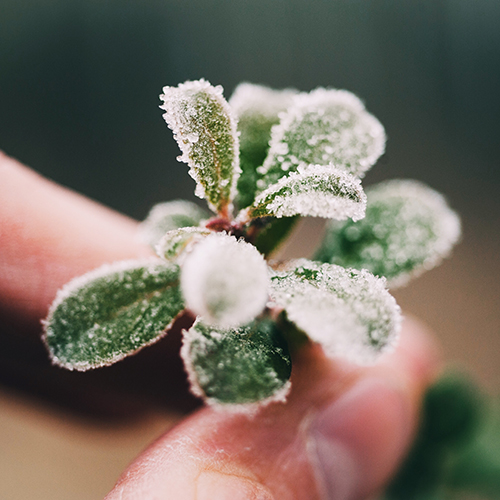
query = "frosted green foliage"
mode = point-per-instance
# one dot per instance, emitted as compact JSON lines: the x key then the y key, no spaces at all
{"x":205,"y":129}
{"x":349,"y":312}
{"x":168,"y":216}
{"x":257,"y":108}
{"x":302,"y":154}
{"x":408,"y":228}
{"x":235,"y":367}
{"x":317,"y":191}
{"x":112,"y":312}
{"x":225,"y":281}
{"x":176,"y":242}
{"x":321,"y":127}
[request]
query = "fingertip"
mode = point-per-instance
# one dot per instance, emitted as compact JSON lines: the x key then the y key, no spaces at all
{"x":417,"y":359}
{"x":50,"y":235}
{"x":421,"y":350}
{"x":212,"y":485}
{"x":359,"y":438}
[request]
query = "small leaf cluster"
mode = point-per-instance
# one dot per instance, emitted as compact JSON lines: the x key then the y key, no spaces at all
{"x":261,"y":161}
{"x":457,"y":450}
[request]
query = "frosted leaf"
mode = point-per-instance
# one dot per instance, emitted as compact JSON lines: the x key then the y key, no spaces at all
{"x":225,"y":280}
{"x":317,"y":191}
{"x":205,"y":129}
{"x":264,"y":102}
{"x":237,"y":367}
{"x":112,"y":312}
{"x":178,"y":241}
{"x":257,"y":108}
{"x":349,"y":312}
{"x":167,"y":216}
{"x":408,"y":229}
{"x":322,"y":127}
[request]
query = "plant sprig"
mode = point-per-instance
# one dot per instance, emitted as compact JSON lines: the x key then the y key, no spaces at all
{"x":302,"y":154}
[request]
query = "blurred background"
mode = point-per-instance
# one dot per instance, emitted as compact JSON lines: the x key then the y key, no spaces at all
{"x":79,"y":86}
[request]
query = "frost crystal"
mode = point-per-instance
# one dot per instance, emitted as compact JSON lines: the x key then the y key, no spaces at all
{"x":263,"y":103}
{"x":225,"y":280}
{"x":205,"y":129}
{"x":322,"y":127}
{"x":408,"y":229}
{"x":178,"y":241}
{"x":317,"y":191}
{"x":237,"y":367}
{"x":349,"y":312}
{"x":257,"y":108}
{"x":112,"y":312}
{"x":168,"y":216}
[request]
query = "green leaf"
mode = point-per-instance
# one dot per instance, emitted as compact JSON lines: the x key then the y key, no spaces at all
{"x":274,"y":233}
{"x":176,"y":242}
{"x":453,"y":407}
{"x":350,"y":313}
{"x":408,"y":229}
{"x":477,"y":469}
{"x":257,"y":108}
{"x":317,"y":191}
{"x":112,"y":312}
{"x":205,"y":129}
{"x":322,"y":127}
{"x":246,"y":365}
{"x":479,"y":472}
{"x":168,"y":216}
{"x":451,"y":415}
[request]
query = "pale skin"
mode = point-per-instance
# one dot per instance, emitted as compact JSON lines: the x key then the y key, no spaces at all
{"x":341,"y":434}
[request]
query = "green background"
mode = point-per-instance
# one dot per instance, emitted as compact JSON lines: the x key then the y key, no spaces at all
{"x":80,"y":80}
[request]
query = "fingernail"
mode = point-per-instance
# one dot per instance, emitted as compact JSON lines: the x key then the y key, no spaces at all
{"x":216,"y":485}
{"x":356,"y":441}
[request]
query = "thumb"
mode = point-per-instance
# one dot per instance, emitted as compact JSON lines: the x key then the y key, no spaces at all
{"x":340,"y":436}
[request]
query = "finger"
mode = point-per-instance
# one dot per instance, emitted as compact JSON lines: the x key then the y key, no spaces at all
{"x":340,"y":435}
{"x":48,"y":235}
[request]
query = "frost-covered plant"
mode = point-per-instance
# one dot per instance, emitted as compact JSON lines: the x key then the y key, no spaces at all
{"x":275,"y":156}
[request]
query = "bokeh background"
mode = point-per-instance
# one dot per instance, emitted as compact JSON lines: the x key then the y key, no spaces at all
{"x":79,"y":86}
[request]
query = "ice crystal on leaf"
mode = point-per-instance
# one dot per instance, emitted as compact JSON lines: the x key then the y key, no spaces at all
{"x":323,"y":127}
{"x":349,"y":312}
{"x":408,"y":229}
{"x":112,"y":312}
{"x":258,"y":102}
{"x":205,"y":129}
{"x":317,"y":191}
{"x":176,"y":242}
{"x":237,"y":366}
{"x":167,"y":216}
{"x":225,"y":281}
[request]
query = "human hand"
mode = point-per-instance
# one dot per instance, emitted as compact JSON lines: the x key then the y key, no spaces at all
{"x":49,"y":235}
{"x":340,"y":435}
